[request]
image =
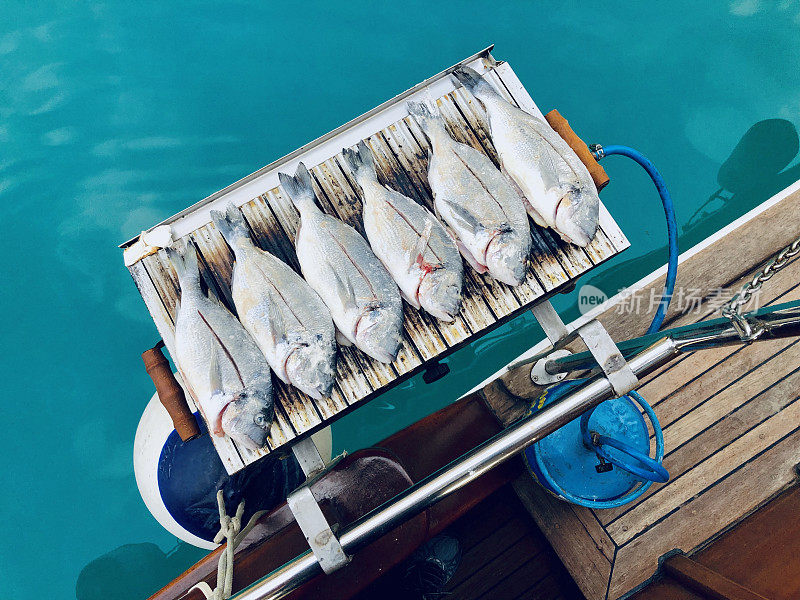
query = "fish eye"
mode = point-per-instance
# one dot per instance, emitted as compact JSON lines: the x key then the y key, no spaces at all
{"x":260,"y":419}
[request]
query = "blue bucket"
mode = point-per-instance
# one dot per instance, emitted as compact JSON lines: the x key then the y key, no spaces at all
{"x":600,"y":460}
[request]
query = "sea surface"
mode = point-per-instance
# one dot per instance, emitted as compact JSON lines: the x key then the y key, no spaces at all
{"x":116,"y":115}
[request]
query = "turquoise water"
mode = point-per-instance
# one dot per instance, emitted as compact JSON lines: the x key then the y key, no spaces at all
{"x":114,"y":116}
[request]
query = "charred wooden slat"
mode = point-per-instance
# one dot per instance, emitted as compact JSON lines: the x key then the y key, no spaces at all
{"x":155,"y":304}
{"x":267,"y":232}
{"x":216,"y":262}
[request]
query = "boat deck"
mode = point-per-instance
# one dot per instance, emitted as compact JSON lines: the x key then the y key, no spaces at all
{"x":504,"y":556}
{"x":730,"y":417}
{"x":401,"y":151}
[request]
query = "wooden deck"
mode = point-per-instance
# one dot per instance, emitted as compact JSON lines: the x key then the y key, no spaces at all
{"x":401,"y":151}
{"x":504,"y":557}
{"x":731,"y":420}
{"x":758,"y":559}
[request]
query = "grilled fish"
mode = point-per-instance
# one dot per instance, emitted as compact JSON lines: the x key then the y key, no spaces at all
{"x":337,"y":262}
{"x":411,"y":243}
{"x":480,"y":206}
{"x":219,"y":362}
{"x":285,"y":316}
{"x":560,"y":192}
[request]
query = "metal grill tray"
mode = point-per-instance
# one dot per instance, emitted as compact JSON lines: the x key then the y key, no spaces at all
{"x":401,"y":151}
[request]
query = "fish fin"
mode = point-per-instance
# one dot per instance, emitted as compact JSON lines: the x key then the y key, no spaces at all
{"x":343,"y":286}
{"x":342,"y":339}
{"x":177,"y":307}
{"x":423,"y":114}
{"x":185,"y":264}
{"x":417,"y":255}
{"x":360,"y":161}
{"x":473,"y":262}
{"x":214,"y":370}
{"x":471,"y":80}
{"x":534,"y":214}
{"x":411,"y":301}
{"x":465,"y":218}
{"x":276,"y":324}
{"x":299,"y":188}
{"x":231,"y":224}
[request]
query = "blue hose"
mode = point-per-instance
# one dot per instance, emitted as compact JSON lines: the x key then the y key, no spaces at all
{"x":672,"y":227}
{"x":646,"y":468}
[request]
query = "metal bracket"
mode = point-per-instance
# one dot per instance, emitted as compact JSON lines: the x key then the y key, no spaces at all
{"x":608,"y":356}
{"x":539,"y":373}
{"x":324,"y":544}
{"x":307,"y":454}
{"x":551,"y":322}
{"x":597,"y":340}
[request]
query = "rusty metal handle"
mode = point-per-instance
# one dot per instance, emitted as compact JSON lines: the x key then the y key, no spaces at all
{"x":170,"y":392}
{"x":561,"y":126}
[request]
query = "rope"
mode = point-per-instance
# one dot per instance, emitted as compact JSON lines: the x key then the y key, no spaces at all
{"x":230,"y":529}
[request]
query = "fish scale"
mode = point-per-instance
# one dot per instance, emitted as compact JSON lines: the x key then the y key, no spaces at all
{"x":337,"y":262}
{"x":285,"y":316}
{"x":235,"y":391}
{"x":485,"y":213}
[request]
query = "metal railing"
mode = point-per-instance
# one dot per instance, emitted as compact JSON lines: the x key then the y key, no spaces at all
{"x":779,"y":321}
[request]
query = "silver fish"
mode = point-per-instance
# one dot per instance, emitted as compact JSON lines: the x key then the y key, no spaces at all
{"x":338,"y":263}
{"x":219,"y":362}
{"x":557,"y":185}
{"x":480,"y":206}
{"x":411,"y":243}
{"x":285,"y":316}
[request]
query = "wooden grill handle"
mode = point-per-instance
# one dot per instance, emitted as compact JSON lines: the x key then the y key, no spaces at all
{"x":562,"y":128}
{"x":170,"y":392}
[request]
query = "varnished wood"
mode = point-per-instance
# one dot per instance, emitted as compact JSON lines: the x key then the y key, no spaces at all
{"x":707,"y":582}
{"x":504,"y":556}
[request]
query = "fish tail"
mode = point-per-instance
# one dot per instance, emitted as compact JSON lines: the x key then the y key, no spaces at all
{"x":476,"y":84}
{"x":299,"y":188}
{"x":185,"y":265}
{"x":360,"y":161}
{"x":422,"y":112}
{"x":231,"y":224}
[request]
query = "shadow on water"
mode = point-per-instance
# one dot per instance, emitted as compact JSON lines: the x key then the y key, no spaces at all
{"x":757,"y":169}
{"x":120,"y":574}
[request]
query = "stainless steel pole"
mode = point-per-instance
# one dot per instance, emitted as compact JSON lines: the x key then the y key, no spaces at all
{"x":456,"y":475}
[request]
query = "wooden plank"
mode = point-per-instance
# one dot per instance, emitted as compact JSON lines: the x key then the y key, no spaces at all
{"x":761,"y":553}
{"x":706,"y":581}
{"x":501,"y":567}
{"x":583,"y":555}
{"x":740,"y":418}
{"x":694,"y":482}
{"x":704,"y":516}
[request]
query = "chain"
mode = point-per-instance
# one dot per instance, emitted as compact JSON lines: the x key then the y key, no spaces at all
{"x":733,"y":308}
